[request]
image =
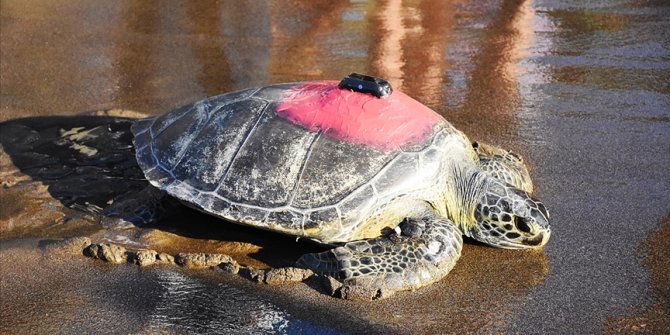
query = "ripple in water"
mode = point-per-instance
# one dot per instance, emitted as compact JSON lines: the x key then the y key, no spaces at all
{"x":190,"y":305}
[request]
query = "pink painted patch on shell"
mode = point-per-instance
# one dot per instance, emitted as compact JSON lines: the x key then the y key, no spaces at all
{"x":388,"y":123}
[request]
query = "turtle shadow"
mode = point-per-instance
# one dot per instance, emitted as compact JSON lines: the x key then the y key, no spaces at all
{"x":87,"y":162}
{"x":270,"y":248}
{"x":84,"y":161}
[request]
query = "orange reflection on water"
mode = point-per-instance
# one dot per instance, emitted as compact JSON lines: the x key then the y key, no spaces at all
{"x":146,"y":58}
{"x":389,"y":60}
{"x":492,"y":94}
{"x":521,"y":25}
{"x":409,"y":45}
{"x":299,"y":50}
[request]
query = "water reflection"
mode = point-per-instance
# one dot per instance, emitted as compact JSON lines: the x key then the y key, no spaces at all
{"x":389,"y":61}
{"x":246,"y":30}
{"x":55,"y":63}
{"x":199,"y":305}
{"x":596,"y":107}
{"x":188,"y":305}
{"x":409,"y":49}
{"x":491,"y":97}
{"x":305,"y":43}
{"x":208,"y":46}
{"x":152,"y":58}
{"x":136,"y":61}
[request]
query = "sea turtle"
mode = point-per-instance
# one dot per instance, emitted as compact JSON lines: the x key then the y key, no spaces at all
{"x":383,"y":179}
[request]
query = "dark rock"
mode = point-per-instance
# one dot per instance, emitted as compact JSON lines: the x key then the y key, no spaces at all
{"x":145,"y":257}
{"x":253,"y":274}
{"x":107,"y":252}
{"x":201,"y":260}
{"x":286,"y":275}
{"x":232,"y":267}
{"x":163,"y":258}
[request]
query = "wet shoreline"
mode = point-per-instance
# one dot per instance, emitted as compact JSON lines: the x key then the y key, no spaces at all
{"x":578,"y":89}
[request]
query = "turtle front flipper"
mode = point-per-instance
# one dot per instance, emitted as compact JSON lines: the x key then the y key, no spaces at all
{"x":503,"y":165}
{"x":424,"y":251}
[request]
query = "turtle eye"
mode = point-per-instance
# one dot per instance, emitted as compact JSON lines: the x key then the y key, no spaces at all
{"x":521,"y":224}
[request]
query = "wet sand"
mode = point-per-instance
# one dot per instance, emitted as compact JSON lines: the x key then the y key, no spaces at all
{"x":653,"y":317}
{"x":581,"y":91}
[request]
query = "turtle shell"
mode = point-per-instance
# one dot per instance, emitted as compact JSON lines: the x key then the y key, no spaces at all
{"x":308,"y":159}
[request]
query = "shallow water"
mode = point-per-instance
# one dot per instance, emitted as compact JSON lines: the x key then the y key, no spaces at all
{"x":580,"y":89}
{"x":126,"y":299}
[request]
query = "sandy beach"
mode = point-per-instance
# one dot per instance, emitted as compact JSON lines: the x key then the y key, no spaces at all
{"x":579,"y":90}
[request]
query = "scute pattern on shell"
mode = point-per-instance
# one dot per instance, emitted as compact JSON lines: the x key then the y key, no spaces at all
{"x":233,"y":157}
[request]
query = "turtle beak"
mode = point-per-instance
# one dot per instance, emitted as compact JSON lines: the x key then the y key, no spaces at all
{"x":539,"y":227}
{"x":539,"y":240}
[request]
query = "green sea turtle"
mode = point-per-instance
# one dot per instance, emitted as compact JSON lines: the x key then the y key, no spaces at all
{"x":384,"y":180}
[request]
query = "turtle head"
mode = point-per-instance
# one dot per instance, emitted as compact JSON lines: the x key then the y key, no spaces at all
{"x":510,"y":218}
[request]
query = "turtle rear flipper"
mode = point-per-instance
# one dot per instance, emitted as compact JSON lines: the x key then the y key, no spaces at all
{"x":423,"y":252}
